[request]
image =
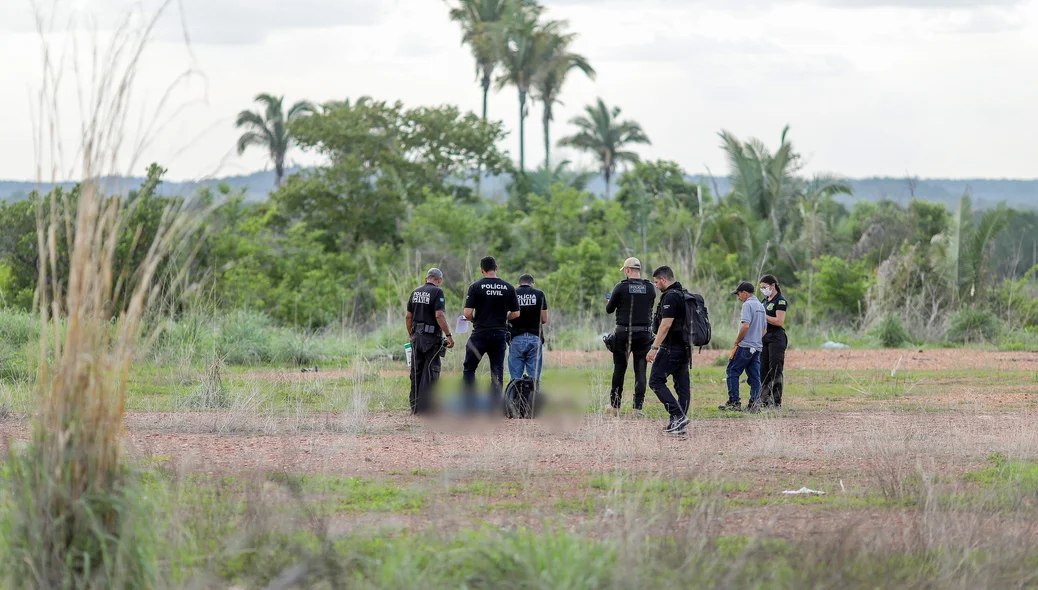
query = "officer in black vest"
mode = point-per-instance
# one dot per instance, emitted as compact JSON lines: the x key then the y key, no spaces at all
{"x":632,"y":300}
{"x":426,"y":328}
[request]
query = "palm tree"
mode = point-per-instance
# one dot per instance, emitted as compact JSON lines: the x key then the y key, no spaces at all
{"x":269,"y":129}
{"x":526,"y":45}
{"x":548,"y":86}
{"x":479,"y":20}
{"x":763,"y":181}
{"x":602,"y":133}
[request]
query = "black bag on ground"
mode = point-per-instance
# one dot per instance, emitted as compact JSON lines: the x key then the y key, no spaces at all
{"x":697,"y":321}
{"x":522,"y":400}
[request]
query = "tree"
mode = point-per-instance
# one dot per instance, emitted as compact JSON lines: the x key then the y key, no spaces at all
{"x":603,"y":134}
{"x":763,"y":181}
{"x":268,"y":129}
{"x":558,"y":63}
{"x":527,"y":45}
{"x":964,"y":250}
{"x":384,"y":159}
{"x":479,"y":20}
{"x":412,"y":149}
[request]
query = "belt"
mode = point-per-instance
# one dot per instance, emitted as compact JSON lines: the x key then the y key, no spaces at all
{"x":426,"y":328}
{"x":633,"y":329}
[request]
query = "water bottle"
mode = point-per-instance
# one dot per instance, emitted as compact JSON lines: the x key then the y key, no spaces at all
{"x":407,"y":353}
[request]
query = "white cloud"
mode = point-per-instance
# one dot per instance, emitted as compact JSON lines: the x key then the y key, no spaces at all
{"x":869,"y":87}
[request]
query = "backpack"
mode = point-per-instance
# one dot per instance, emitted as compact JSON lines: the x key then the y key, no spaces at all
{"x":522,"y":400}
{"x":696,"y":330}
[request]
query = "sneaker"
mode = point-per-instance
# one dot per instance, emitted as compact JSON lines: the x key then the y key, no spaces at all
{"x":682,"y":431}
{"x":754,"y":408}
{"x":639,"y":413}
{"x":730,"y":407}
{"x":614,"y":412}
{"x":676,"y":423}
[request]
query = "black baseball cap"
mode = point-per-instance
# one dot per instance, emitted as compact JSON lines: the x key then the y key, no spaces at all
{"x":743,"y":286}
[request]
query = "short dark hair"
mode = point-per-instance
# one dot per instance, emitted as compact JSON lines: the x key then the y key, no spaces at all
{"x":665,"y":272}
{"x":488,"y":264}
{"x":771,"y":280}
{"x":526,"y":279}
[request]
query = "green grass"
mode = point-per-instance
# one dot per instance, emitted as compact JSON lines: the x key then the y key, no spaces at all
{"x":1007,"y":472}
{"x":330,"y":494}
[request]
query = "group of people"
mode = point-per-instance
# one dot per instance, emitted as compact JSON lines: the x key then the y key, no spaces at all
{"x":508,"y":319}
{"x":504,"y":319}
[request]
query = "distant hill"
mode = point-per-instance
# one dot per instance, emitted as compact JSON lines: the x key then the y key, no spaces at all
{"x":257,"y":185}
{"x":1020,"y":194}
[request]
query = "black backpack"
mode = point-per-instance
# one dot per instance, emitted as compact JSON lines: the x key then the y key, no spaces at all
{"x":697,"y":321}
{"x":522,"y":400}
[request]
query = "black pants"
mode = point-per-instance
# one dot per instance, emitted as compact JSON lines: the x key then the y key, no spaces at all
{"x":493,"y":344}
{"x":425,"y":370}
{"x":672,"y":361}
{"x":772,"y":364}
{"x":628,"y":344}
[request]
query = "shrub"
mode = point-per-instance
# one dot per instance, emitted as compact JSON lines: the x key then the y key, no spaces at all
{"x":246,"y":338}
{"x":890,"y":332}
{"x":973,"y":324}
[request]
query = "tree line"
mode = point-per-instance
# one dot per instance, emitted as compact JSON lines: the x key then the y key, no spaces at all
{"x":345,"y":242}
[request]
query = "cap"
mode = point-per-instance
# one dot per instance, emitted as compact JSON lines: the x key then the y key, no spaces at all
{"x":743,"y":286}
{"x":434,"y":273}
{"x":632,"y":263}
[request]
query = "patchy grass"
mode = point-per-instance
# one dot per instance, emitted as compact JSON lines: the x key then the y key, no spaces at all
{"x":332,"y":495}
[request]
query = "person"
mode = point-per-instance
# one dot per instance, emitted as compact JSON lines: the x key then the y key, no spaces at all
{"x":426,"y":327}
{"x":490,"y":304}
{"x":773,"y":358}
{"x":745,"y":356}
{"x":632,"y":300}
{"x":525,"y":350}
{"x":668,"y":353}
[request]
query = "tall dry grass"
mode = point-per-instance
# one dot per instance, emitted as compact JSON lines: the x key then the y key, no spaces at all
{"x":71,"y":512}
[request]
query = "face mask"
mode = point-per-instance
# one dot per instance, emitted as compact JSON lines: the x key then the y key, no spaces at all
{"x":765,"y":291}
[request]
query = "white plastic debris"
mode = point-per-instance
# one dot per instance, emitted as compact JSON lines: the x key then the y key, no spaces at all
{"x":803,"y":491}
{"x":829,"y":344}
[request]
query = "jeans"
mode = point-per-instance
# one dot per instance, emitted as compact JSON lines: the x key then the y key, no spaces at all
{"x":749,"y":362}
{"x":640,"y":343}
{"x":525,"y":353}
{"x":493,"y":345}
{"x":672,"y":360}
{"x":772,"y":366}
{"x":425,"y":370}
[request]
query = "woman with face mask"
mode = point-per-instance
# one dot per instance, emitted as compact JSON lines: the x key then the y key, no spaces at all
{"x":773,"y":357}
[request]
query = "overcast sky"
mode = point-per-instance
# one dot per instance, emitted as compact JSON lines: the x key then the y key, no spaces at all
{"x":937,"y":88}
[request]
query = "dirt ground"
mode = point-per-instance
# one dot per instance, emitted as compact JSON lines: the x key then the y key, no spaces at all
{"x":841,"y":448}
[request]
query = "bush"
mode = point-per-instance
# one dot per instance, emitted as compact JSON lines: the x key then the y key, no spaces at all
{"x":246,"y":338}
{"x":972,"y":324}
{"x":298,"y":347}
{"x":890,"y":332}
{"x":18,"y":328}
{"x":840,"y":287}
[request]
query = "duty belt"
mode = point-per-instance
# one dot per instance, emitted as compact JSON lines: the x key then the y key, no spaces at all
{"x":633,"y":329}
{"x":421,"y":328}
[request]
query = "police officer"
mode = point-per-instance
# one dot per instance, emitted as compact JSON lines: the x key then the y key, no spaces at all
{"x":426,"y":327}
{"x":490,"y":304}
{"x":669,"y":354}
{"x":632,"y":300}
{"x":773,"y":358}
